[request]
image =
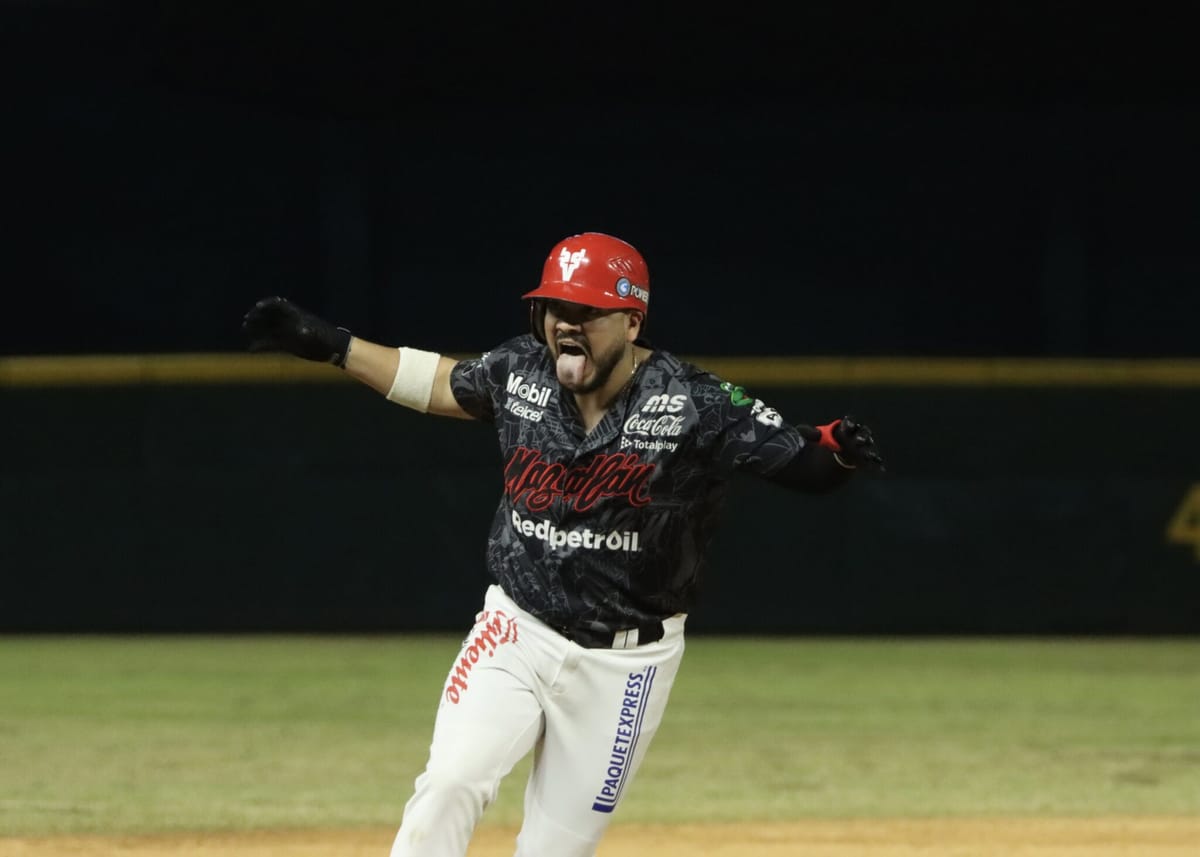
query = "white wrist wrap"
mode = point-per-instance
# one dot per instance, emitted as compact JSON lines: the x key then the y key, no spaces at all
{"x":413,"y":384}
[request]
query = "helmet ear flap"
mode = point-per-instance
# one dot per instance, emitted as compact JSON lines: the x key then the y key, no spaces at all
{"x":537,"y":320}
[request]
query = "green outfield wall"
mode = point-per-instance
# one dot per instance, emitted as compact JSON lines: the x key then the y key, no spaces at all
{"x":225,"y":492}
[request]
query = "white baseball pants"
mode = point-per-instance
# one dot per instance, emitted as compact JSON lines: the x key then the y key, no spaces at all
{"x":518,"y":685}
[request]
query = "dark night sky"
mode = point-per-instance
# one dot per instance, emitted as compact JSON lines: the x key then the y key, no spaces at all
{"x":896,"y":179}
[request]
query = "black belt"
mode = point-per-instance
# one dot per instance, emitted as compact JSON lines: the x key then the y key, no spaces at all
{"x":622,"y":639}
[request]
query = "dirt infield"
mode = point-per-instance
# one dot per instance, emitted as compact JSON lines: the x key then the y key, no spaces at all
{"x":1010,"y":837}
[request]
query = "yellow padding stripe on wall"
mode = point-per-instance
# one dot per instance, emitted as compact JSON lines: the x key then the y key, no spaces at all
{"x":955,"y":371}
{"x":140,"y":369}
{"x":184,"y":369}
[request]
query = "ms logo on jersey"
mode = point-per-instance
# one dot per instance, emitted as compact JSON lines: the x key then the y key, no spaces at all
{"x":663,"y":403}
{"x":570,"y":262}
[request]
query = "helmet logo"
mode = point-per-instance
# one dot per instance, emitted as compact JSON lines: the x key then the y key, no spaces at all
{"x":626,"y":288}
{"x":569,"y":261}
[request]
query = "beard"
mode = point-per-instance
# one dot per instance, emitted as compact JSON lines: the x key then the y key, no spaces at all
{"x":605,"y":363}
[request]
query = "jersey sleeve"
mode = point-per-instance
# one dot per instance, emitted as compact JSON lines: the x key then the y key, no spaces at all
{"x":749,"y":434}
{"x":471,"y":383}
{"x":476,"y":382}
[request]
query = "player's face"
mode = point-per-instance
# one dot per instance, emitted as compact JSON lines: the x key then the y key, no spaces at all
{"x":596,"y":338}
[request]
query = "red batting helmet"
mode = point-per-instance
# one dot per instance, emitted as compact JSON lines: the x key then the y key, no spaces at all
{"x":595,"y":269}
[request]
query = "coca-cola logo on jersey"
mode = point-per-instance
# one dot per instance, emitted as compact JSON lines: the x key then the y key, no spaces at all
{"x":667,"y":425}
{"x":531,"y":479}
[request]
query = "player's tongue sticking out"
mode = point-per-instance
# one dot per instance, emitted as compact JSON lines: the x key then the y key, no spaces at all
{"x":570,"y":369}
{"x":571,"y":363}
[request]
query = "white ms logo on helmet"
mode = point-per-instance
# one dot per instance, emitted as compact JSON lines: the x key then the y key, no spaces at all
{"x":570,"y":262}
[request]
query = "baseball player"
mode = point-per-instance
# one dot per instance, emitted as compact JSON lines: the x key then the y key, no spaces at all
{"x":616,"y":458}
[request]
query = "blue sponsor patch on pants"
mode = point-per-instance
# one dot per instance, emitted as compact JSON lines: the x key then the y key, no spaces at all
{"x":634,"y":701}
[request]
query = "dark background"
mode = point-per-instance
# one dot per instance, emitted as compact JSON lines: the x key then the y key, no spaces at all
{"x":324,"y":507}
{"x":952,"y":179}
{"x":848,"y":180}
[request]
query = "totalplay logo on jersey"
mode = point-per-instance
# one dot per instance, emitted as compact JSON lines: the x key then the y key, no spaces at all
{"x":635,"y":698}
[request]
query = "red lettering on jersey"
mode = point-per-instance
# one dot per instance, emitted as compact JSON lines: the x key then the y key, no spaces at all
{"x":530,"y":479}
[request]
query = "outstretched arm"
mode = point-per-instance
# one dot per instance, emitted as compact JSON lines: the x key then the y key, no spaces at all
{"x":380,"y":367}
{"x":418,"y":379}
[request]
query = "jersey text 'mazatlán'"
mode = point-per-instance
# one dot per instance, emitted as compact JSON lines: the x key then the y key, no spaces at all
{"x":608,"y":530}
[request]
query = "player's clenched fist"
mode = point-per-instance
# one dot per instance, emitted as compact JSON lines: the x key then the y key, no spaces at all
{"x":277,"y":324}
{"x":857,"y":444}
{"x":850,"y":440}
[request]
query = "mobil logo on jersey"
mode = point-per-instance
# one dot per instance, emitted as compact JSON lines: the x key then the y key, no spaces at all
{"x":526,"y":398}
{"x":532,"y":480}
{"x":532,"y":392}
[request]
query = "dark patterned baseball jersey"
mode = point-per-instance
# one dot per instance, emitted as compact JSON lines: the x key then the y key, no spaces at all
{"x":608,"y":529}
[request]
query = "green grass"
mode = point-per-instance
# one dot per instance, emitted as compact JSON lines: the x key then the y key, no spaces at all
{"x":142,"y":734}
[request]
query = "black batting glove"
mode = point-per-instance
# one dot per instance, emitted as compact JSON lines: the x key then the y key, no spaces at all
{"x":850,"y":441}
{"x":277,"y":324}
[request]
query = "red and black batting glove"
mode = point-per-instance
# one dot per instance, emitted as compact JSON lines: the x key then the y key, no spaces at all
{"x":277,"y":324}
{"x":851,"y":443}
